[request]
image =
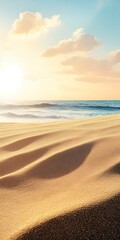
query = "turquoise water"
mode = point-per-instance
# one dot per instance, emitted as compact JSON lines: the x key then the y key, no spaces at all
{"x":53,"y":110}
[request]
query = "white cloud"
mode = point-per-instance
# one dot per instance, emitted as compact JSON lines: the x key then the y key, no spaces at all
{"x":30,"y":23}
{"x":115,"y":56}
{"x":91,"y":69}
{"x":80,"y":42}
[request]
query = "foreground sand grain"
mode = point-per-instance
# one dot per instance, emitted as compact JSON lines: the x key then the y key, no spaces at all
{"x":60,"y":180}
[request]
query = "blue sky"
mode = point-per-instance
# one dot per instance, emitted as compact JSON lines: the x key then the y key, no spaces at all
{"x":74,"y":55}
{"x":100,"y":18}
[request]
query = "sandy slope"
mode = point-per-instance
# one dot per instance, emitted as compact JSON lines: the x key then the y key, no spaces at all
{"x":61,"y":180}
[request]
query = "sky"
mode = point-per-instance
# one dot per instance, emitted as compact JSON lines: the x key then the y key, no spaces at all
{"x":59,"y":50}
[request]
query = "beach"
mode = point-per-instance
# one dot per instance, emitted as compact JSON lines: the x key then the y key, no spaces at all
{"x":60,"y":179}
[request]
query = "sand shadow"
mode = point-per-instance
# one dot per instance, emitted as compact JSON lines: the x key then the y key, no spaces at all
{"x":101,"y":222}
{"x":115,"y":169}
{"x":22,"y":143}
{"x":19,"y":144}
{"x":19,"y":161}
{"x":58,"y":165}
{"x":62,"y":163}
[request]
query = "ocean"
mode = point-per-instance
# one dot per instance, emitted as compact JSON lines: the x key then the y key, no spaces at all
{"x":57,"y":110}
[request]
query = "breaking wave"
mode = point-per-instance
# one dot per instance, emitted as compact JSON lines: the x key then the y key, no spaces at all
{"x":24,"y":106}
{"x":31,"y":116}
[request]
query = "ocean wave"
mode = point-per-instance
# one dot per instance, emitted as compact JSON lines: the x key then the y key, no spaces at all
{"x":99,"y":107}
{"x":31,"y":116}
{"x":24,"y":106}
{"x":14,"y":115}
{"x":63,"y":105}
{"x":59,"y":109}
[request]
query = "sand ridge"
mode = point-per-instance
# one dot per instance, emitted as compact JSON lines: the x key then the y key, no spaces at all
{"x":50,"y":171}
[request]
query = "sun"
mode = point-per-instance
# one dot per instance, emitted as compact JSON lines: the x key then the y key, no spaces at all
{"x":11,"y":79}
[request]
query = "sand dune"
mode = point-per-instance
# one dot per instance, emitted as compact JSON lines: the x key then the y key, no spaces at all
{"x":60,"y":180}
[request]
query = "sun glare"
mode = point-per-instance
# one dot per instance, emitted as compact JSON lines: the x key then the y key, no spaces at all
{"x":11,"y":79}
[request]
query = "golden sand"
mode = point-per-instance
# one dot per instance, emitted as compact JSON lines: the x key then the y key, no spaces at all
{"x":60,"y":180}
